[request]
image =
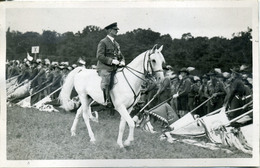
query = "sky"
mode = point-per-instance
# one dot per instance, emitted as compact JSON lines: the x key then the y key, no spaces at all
{"x":202,"y":21}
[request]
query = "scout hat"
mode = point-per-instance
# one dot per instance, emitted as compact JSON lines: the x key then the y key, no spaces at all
{"x":226,"y":74}
{"x":196,"y":78}
{"x":235,"y":70}
{"x":74,"y":65}
{"x":112,"y":26}
{"x":184,"y":70}
{"x":81,"y":61}
{"x":204,"y":77}
{"x":211,"y":73}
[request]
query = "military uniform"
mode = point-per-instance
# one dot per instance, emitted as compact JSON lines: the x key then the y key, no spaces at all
{"x":107,"y":52}
{"x":25,"y":74}
{"x":215,"y":87}
{"x":38,"y":82}
{"x":164,"y":90}
{"x":193,"y":96}
{"x":184,"y":89}
{"x":236,"y":97}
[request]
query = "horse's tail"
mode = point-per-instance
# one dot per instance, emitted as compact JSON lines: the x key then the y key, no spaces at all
{"x":66,"y":90}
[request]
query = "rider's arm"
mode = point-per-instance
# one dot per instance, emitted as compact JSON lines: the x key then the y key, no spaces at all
{"x":101,"y":54}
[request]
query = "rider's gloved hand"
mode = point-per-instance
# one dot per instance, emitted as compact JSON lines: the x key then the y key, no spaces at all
{"x":115,"y":62}
{"x":122,"y":63}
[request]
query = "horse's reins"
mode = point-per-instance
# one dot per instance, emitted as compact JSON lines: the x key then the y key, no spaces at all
{"x":145,"y":73}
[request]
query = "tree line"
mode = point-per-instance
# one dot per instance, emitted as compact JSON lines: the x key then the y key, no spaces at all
{"x":203,"y":53}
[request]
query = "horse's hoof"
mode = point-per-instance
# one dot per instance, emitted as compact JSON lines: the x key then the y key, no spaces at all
{"x":73,"y":134}
{"x":171,"y":140}
{"x":94,"y":119}
{"x":127,"y":143}
{"x":121,"y":146}
{"x":93,"y":141}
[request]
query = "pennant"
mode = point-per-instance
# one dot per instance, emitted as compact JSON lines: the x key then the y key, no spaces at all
{"x":30,"y":58}
{"x":25,"y":103}
{"x":42,"y":102}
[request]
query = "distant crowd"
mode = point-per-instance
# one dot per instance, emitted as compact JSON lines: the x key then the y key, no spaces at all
{"x":186,"y":89}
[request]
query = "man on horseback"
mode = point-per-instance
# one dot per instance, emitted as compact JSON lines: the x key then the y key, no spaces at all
{"x":109,"y":58}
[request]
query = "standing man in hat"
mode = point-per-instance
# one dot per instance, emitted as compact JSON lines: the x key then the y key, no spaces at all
{"x":183,"y":90}
{"x":238,"y":95}
{"x":109,"y":58}
{"x":216,"y":91}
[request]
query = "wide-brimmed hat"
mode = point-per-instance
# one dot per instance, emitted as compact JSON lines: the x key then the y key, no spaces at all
{"x":81,"y":61}
{"x":219,"y":75}
{"x":204,"y":77}
{"x":74,"y":65}
{"x":183,"y":70}
{"x":38,"y":61}
{"x":55,"y":63}
{"x":212,"y":73}
{"x":226,"y":74}
{"x":196,"y":78}
{"x":168,"y":67}
{"x":112,"y":26}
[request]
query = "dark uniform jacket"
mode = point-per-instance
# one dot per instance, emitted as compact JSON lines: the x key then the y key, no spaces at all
{"x":24,"y":75}
{"x":106,"y":52}
{"x":185,"y":86}
{"x":238,"y":89}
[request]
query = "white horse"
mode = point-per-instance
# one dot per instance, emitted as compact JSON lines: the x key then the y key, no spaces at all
{"x":124,"y":95}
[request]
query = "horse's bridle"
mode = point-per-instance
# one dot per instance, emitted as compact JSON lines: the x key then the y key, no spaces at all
{"x":148,"y":75}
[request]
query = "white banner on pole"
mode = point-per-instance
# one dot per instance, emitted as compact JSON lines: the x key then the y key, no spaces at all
{"x":35,"y":49}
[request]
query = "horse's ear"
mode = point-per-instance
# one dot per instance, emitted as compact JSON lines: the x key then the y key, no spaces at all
{"x":160,"y":49}
{"x":154,"y":48}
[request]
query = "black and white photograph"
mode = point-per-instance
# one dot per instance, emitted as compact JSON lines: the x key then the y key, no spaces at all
{"x":129,"y":84}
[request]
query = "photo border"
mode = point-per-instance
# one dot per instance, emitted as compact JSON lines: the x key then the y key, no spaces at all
{"x":254,"y":161}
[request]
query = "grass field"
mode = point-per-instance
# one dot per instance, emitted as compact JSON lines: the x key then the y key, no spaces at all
{"x":35,"y":135}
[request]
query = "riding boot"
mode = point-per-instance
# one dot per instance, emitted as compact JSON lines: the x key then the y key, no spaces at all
{"x":106,"y":97}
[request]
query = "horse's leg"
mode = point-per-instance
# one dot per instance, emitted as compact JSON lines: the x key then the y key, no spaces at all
{"x":131,"y":131}
{"x":121,"y":132}
{"x":75,"y":122}
{"x":125,"y":117}
{"x":95,"y":119}
{"x":85,"y":108}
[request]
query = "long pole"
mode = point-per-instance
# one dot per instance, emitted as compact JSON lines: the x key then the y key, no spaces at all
{"x":201,"y":104}
{"x":148,"y":103}
{"x":36,"y":92}
{"x":239,"y":117}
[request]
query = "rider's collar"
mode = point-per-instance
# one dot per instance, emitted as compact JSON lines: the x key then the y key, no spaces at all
{"x":111,"y":38}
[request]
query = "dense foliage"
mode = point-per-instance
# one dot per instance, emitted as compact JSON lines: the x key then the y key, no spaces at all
{"x":201,"y":52}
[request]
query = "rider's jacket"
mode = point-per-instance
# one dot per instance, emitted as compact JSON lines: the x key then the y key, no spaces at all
{"x":106,"y":51}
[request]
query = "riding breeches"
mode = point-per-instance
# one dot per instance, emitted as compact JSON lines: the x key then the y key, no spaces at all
{"x":106,"y":77}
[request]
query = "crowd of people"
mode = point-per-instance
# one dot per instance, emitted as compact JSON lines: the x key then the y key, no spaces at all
{"x":183,"y":90}
{"x":44,"y":76}
{"x":186,"y":92}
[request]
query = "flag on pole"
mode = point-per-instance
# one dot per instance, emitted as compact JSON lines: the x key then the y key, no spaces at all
{"x":25,"y":103}
{"x":30,"y":58}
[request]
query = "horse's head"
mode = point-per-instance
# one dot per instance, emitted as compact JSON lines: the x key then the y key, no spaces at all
{"x":154,"y":62}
